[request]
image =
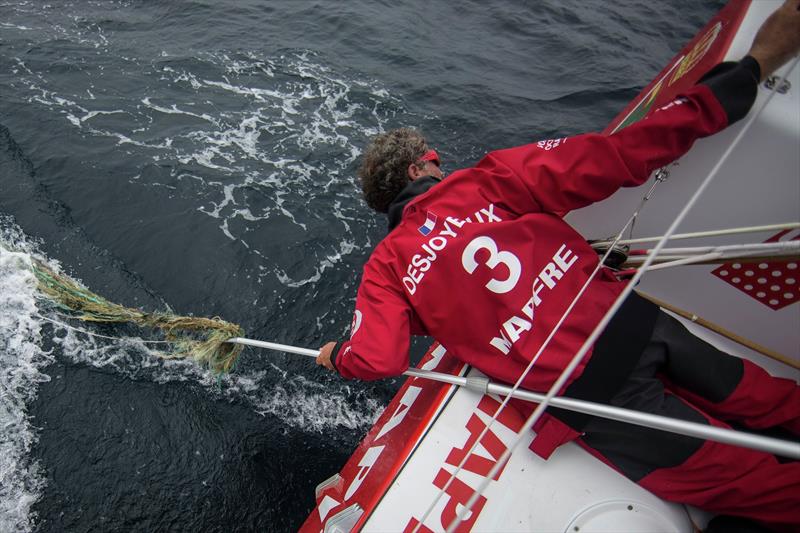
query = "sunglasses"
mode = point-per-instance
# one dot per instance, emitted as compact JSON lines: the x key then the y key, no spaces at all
{"x":431,"y":156}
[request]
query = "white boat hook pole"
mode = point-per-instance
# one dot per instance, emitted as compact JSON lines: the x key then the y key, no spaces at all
{"x":483,"y":385}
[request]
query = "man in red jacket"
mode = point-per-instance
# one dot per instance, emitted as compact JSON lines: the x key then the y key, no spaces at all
{"x":483,"y":262}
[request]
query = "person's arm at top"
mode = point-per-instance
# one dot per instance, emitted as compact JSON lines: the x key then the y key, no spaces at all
{"x":588,"y":168}
{"x":735,"y":84}
{"x":778,"y":39}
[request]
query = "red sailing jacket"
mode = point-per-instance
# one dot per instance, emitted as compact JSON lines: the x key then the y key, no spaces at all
{"x":484,"y":263}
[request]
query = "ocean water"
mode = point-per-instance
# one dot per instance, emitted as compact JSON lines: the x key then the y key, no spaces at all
{"x":199,"y":156}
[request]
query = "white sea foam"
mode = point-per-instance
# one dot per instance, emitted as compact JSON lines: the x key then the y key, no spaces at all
{"x":175,"y":111}
{"x":296,"y":400}
{"x":316,"y":407}
{"x":240,"y":122}
{"x":345,"y":247}
{"x":15,"y":26}
{"x":21,"y":361}
{"x":252,"y":123}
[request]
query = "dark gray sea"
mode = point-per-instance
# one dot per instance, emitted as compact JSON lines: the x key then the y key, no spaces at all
{"x":198,"y":156}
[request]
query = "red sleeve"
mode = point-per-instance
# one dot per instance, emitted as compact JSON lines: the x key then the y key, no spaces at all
{"x":565,"y":174}
{"x":380,"y":334}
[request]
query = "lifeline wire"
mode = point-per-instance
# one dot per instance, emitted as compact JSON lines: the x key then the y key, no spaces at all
{"x":711,"y":233}
{"x":732,"y":251}
{"x":529,"y":423}
{"x":719,"y":255}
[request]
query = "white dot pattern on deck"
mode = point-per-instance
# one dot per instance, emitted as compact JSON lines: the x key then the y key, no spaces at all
{"x":783,"y":288}
{"x":773,"y":283}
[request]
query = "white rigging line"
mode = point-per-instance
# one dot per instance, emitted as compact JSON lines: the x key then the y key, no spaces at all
{"x":649,"y":266}
{"x":567,"y":372}
{"x":713,"y":233}
{"x":693,"y":256}
{"x":732,"y":250}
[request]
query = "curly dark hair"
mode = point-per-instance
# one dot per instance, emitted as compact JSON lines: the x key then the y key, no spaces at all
{"x":383,"y":172}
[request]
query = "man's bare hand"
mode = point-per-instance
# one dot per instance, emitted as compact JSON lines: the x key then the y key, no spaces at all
{"x":778,"y":39}
{"x":324,"y":357}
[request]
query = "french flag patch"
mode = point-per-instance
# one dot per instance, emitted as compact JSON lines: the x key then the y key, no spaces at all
{"x":429,"y":224}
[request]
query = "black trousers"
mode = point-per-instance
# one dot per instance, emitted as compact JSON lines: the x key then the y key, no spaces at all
{"x":681,"y":376}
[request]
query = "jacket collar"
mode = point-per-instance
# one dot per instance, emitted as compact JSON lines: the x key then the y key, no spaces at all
{"x":411,"y":191}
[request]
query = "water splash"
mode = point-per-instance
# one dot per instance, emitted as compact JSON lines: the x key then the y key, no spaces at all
{"x":27,"y":324}
{"x":21,"y":363}
{"x":32,"y":321}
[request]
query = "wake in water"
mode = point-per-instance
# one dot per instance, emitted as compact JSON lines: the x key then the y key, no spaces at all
{"x":21,"y":361}
{"x":33,"y":335}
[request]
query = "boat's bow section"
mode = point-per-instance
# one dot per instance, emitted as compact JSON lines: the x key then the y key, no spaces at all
{"x":401,"y":473}
{"x":402,"y":470}
{"x":348,"y":498}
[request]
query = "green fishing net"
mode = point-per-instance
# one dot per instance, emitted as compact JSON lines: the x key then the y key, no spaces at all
{"x":198,"y":338}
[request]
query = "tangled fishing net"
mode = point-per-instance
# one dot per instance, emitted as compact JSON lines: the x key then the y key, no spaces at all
{"x":199,"y":338}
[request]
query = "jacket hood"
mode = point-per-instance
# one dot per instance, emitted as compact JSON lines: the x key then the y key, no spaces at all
{"x":411,"y":191}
